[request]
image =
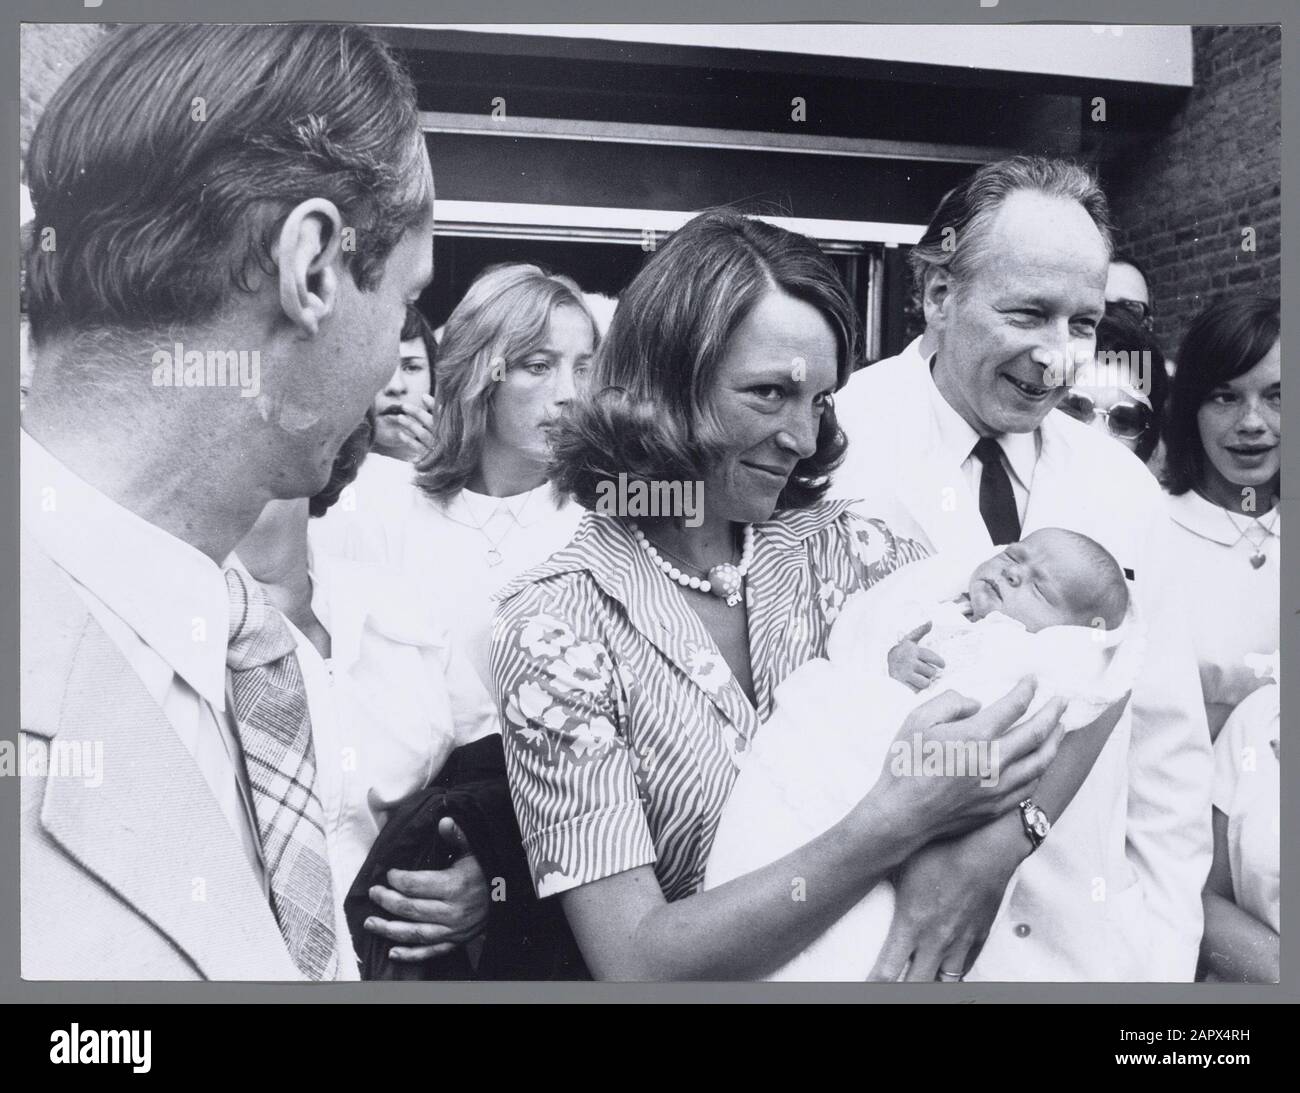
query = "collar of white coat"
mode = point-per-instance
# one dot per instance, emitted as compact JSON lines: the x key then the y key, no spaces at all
{"x":956,"y":438}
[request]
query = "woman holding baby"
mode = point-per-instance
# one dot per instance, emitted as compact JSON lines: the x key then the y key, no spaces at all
{"x":636,"y":666}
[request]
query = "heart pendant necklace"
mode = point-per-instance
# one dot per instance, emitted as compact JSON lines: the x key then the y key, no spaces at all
{"x":1251,"y":533}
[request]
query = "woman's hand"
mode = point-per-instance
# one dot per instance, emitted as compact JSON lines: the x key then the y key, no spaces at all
{"x":912,"y":663}
{"x":946,"y":898}
{"x":988,"y":766}
{"x":416,"y":425}
{"x":435,"y":909}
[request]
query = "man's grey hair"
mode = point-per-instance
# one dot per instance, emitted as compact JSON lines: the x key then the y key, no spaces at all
{"x":960,"y":224}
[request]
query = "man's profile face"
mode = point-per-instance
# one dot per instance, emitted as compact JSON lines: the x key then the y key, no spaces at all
{"x":1030,"y":303}
{"x":355,"y":358}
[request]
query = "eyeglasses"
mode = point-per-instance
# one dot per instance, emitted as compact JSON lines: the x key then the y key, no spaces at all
{"x":1125,"y":420}
{"x":1135,"y":310}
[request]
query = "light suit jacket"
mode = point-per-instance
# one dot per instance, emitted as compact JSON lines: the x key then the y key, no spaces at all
{"x":140,"y":876}
{"x":1115,"y":891}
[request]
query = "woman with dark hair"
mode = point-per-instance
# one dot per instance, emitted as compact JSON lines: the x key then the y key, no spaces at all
{"x":402,"y":699}
{"x":384,"y":483}
{"x":636,"y":665}
{"x":1128,"y":292}
{"x":401,"y":409}
{"x":1223,"y":472}
{"x":1126,"y":393}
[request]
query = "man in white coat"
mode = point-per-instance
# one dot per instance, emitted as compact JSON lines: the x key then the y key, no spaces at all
{"x":955,"y":441}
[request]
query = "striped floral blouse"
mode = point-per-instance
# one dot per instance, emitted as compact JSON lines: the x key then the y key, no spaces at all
{"x":622,"y":722}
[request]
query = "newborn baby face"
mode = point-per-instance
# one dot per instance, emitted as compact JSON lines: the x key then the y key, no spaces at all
{"x":1040,"y":581}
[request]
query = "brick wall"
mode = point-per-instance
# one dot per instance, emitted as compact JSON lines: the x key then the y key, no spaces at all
{"x":1181,"y":204}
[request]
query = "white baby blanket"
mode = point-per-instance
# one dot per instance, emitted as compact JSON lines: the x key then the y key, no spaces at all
{"x":834,"y":724}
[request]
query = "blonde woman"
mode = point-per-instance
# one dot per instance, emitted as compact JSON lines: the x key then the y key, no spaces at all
{"x":479,"y":510}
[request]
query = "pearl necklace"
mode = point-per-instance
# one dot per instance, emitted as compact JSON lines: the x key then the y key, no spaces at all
{"x":724,"y":580}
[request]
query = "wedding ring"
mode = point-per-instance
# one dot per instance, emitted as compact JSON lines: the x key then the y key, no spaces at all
{"x":949,"y":977}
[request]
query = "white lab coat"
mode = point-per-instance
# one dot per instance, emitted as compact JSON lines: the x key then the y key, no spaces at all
{"x":1114,"y":894}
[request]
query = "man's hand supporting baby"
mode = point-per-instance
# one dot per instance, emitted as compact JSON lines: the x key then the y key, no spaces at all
{"x":948,"y":893}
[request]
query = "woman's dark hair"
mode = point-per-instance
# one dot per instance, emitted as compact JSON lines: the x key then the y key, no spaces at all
{"x":646,"y":412}
{"x":1225,"y":341}
{"x":166,"y":163}
{"x":1117,"y":333}
{"x":346,"y":465}
{"x":416,"y":326}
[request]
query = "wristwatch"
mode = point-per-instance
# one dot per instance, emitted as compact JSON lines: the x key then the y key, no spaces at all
{"x":1035,"y":821}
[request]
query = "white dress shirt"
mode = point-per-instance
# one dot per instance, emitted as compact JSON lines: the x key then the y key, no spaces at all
{"x":403,"y":699}
{"x":370,"y":514}
{"x":467,"y":536}
{"x":1234,"y":608}
{"x":164,"y":604}
{"x":458,"y":555}
{"x":957,"y":441}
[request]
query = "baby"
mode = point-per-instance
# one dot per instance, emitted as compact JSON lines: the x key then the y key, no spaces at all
{"x":1051,"y":578}
{"x":1054,"y":606}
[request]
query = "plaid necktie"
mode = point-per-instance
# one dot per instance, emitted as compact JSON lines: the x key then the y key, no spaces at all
{"x":997,"y":499}
{"x":275,"y":732}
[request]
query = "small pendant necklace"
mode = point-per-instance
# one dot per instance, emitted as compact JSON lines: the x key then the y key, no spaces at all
{"x":1257,"y":557}
{"x":494,"y":551}
{"x":725,"y":580}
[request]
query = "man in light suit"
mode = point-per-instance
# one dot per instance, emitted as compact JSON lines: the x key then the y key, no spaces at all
{"x":230,"y":224}
{"x":955,"y":441}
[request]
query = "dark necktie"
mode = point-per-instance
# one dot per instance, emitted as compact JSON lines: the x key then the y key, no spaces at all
{"x":997,"y":501}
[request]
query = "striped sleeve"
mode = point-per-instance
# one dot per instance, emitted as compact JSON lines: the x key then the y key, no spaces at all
{"x":571,"y":775}
{"x":864,"y":550}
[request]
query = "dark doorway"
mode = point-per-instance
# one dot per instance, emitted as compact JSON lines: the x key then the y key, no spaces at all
{"x":600,"y":267}
{"x":597,"y":266}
